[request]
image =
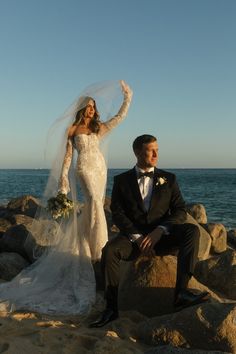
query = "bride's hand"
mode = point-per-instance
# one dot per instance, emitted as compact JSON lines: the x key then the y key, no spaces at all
{"x":126,"y":89}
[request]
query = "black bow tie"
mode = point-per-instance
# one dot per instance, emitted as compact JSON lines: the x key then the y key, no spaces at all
{"x":146,"y":174}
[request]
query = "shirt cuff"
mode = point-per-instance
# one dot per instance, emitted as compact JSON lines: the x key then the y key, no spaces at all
{"x":134,"y":237}
{"x":164,"y":228}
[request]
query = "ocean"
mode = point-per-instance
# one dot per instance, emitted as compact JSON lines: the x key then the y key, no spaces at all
{"x":214,"y":188}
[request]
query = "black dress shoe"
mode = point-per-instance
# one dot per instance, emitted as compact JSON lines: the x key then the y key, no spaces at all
{"x":107,"y":316}
{"x":185,"y":298}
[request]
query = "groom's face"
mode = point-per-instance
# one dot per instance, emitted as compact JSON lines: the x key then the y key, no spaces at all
{"x":148,"y":155}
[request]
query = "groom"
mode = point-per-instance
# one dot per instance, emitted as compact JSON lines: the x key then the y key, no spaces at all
{"x":148,"y":208}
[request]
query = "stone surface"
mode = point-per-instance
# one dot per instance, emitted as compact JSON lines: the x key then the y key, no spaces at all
{"x":231,"y":237}
{"x":218,"y":235}
{"x":19,"y":219}
{"x":26,"y":205}
{"x":13,"y":240}
{"x":198,"y":212}
{"x":11,"y":264}
{"x":4,"y":225}
{"x":219,"y":273}
{"x":209,"y":326}
{"x":170,"y":349}
{"x":148,"y":284}
{"x":204,"y":241}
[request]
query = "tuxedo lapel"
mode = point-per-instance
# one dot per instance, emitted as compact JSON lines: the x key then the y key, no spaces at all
{"x":135,"y":188}
{"x":156,"y":189}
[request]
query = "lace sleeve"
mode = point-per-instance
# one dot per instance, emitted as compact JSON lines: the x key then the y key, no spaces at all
{"x":64,"y":186}
{"x":119,"y":117}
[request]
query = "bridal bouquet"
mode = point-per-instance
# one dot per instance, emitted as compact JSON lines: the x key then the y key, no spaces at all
{"x":60,"y":206}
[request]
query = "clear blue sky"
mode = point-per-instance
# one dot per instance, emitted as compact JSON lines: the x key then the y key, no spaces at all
{"x":179,"y":57}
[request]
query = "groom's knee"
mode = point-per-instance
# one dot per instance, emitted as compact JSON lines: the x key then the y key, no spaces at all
{"x":116,"y":248}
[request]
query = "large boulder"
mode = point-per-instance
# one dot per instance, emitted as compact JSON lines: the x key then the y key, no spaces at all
{"x":148,"y":284}
{"x":28,"y":238}
{"x":170,"y":349}
{"x":13,"y":240}
{"x":204,"y":241}
{"x":218,"y":235}
{"x":4,"y":225}
{"x":26,"y":205}
{"x":231,"y":237}
{"x":219,"y":273}
{"x":11,"y":264}
{"x":198,"y":212}
{"x":209,"y":326}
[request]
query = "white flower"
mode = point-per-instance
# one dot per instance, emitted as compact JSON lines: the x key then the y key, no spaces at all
{"x":161,"y":180}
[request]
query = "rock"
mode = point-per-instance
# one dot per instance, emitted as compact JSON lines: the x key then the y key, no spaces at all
{"x":170,"y":349}
{"x":198,"y":212}
{"x":30,"y":237}
{"x":41,"y":234}
{"x":26,"y":205}
{"x":11,"y":264}
{"x":19,"y":219}
{"x":13,"y":240}
{"x":219,"y":237}
{"x":4,"y":225}
{"x":147,"y":285}
{"x":231,"y":237}
{"x":219,"y":273}
{"x":208,"y":326}
{"x":204,"y":241}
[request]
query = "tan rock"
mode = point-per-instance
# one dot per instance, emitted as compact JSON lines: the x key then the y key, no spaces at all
{"x":20,"y":219}
{"x":147,"y":285}
{"x":204,"y":241}
{"x":4,"y":225}
{"x":26,"y":205}
{"x":218,"y":235}
{"x":209,"y":326}
{"x":219,"y":273}
{"x":198,"y":212}
{"x":169,"y":349}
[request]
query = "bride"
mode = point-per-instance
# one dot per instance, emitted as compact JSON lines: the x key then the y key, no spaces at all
{"x":61,"y":281}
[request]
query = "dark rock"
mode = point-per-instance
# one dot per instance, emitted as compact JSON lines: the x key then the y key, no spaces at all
{"x":231,"y":237}
{"x":13,"y":240}
{"x":219,"y":273}
{"x":170,"y":349}
{"x":4,"y":225}
{"x":11,"y":264}
{"x":26,"y":205}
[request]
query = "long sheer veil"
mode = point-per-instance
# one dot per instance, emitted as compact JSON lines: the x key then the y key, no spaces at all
{"x":61,"y":278}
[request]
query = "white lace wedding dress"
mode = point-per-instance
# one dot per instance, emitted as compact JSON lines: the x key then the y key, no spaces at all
{"x":62,"y":280}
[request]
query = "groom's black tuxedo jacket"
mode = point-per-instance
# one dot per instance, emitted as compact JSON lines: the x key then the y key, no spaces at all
{"x":167,"y":206}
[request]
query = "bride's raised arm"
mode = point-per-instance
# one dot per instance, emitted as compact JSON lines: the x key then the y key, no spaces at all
{"x":64,"y":186}
{"x":114,"y":121}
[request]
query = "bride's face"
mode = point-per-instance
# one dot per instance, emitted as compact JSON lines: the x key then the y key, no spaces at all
{"x":90,"y":110}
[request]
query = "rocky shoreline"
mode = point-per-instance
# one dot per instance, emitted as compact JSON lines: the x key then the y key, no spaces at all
{"x":148,"y":322}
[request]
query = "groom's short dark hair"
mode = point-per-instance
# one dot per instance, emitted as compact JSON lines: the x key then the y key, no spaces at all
{"x":141,"y":140}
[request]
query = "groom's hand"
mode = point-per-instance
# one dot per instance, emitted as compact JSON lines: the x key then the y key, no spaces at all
{"x":148,"y":242}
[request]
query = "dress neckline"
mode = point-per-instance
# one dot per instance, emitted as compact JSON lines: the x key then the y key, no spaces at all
{"x":83,"y":134}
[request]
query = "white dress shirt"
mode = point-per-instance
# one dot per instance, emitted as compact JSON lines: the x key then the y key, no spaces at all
{"x":145,"y":186}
